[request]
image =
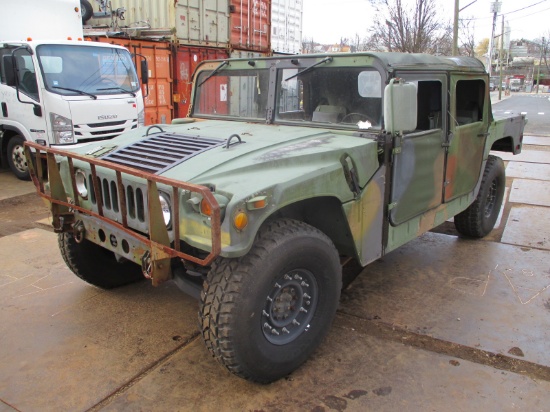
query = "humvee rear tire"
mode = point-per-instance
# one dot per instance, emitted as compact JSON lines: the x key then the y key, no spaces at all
{"x":263,"y":314}
{"x":96,"y":265}
{"x":480,"y":217}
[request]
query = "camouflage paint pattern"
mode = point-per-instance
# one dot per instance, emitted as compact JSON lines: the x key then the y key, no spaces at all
{"x":288,"y":163}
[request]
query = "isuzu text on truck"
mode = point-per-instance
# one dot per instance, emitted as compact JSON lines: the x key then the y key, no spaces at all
{"x":60,"y":92}
{"x":286,"y":167}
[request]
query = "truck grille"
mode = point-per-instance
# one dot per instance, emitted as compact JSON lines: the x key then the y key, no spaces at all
{"x":101,"y":131}
{"x":135,"y":197}
{"x":162,"y":151}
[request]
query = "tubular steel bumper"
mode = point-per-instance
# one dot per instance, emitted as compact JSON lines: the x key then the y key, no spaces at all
{"x":156,"y":248}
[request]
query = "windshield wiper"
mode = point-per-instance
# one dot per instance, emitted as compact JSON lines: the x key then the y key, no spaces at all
{"x":309,"y":68}
{"x":216,"y":70}
{"x":93,"y":96}
{"x":119,"y":88}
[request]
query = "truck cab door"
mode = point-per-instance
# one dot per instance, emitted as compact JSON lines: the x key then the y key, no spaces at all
{"x":419,"y":158}
{"x":467,"y":134}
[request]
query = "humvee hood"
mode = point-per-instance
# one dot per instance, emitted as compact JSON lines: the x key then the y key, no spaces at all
{"x":263,"y":148}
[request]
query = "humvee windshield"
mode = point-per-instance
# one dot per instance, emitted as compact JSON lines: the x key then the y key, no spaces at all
{"x":347,"y":97}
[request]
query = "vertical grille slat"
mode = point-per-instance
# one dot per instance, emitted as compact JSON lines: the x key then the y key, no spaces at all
{"x":161,"y":151}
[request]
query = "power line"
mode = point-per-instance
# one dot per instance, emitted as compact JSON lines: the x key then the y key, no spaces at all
{"x":510,"y":12}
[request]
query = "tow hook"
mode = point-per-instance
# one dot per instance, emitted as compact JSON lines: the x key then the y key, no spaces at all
{"x":147,"y":265}
{"x":78,"y":231}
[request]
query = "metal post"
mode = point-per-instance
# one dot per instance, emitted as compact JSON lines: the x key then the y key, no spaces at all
{"x":500,"y":59}
{"x":495,"y":9}
{"x":455,"y":30}
{"x":540,"y":63}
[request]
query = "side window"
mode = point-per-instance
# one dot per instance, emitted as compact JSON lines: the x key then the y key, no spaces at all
{"x":430,"y":112}
{"x":470,"y":96}
{"x":26,"y":74}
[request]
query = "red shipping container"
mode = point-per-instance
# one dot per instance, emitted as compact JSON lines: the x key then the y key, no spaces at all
{"x":158,"y":103}
{"x":186,"y":60}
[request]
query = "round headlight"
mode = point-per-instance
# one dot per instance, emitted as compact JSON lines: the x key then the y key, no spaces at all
{"x":81,"y":185}
{"x":166,"y":209}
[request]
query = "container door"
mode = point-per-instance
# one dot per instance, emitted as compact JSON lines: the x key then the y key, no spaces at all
{"x":250,"y":24}
{"x":203,"y":22}
{"x":469,"y":122}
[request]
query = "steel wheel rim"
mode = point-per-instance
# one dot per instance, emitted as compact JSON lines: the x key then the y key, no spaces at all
{"x":490,"y":200}
{"x":18,"y":158}
{"x":289,"y":307}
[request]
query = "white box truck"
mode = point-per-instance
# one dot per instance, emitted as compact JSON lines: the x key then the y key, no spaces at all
{"x":57,"y":89}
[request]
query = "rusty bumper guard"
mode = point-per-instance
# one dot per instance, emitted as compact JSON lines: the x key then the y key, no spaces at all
{"x":157,"y":251}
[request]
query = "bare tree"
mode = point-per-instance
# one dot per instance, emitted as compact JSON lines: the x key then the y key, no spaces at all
{"x":403,"y":28}
{"x":466,"y":38}
{"x":308,"y":45}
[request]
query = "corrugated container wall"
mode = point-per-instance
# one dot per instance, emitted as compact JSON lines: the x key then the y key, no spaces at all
{"x":286,"y":26}
{"x":236,"y":24}
{"x":158,"y":103}
{"x":158,"y":14}
{"x":239,"y":24}
{"x":187,"y":58}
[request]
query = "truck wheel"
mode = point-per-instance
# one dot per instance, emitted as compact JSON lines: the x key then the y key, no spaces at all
{"x":480,"y":217}
{"x":86,"y":10}
{"x":17,"y":159}
{"x":263,"y":314}
{"x":96,"y":265}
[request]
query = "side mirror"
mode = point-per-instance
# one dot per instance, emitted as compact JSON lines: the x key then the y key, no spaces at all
{"x":9,"y":70}
{"x":144,"y":72}
{"x":400,"y":106}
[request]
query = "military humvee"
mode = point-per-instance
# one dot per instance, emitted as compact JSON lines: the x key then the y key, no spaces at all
{"x":285,"y":168}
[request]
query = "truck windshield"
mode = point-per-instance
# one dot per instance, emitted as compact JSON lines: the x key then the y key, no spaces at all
{"x":343,"y":96}
{"x":232,"y":93}
{"x":87,"y":70}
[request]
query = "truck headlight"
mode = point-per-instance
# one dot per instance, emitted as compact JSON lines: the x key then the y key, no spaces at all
{"x":166,"y":209}
{"x":62,"y":129}
{"x":81,"y":184}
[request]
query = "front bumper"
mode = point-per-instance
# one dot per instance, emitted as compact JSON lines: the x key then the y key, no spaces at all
{"x":152,"y":248}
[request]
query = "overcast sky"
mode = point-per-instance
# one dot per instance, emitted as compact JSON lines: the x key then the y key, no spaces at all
{"x":327,"y":20}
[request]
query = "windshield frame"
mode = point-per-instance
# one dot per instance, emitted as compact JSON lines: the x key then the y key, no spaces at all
{"x":304,"y":65}
{"x":108,"y":80}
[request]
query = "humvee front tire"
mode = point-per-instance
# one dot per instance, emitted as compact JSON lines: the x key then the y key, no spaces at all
{"x":480,"y":217}
{"x":96,"y":265}
{"x":262,"y":315}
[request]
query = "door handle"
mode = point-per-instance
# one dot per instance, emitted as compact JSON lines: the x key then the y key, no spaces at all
{"x":483,"y":134}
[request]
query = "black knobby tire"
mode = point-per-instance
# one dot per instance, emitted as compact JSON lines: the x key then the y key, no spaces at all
{"x":480,"y":217}
{"x":16,"y":158}
{"x":96,"y":265}
{"x":86,"y":10}
{"x":291,"y":279}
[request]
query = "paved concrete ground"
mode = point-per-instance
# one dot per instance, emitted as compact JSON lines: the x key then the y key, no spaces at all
{"x":441,"y":323}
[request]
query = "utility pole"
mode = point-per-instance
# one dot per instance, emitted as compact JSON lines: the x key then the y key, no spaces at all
{"x":540,"y":63}
{"x":495,"y":8}
{"x":500,"y":60}
{"x":455,"y":30}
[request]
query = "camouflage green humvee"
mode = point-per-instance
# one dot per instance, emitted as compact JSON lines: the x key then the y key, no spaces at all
{"x":285,"y":168}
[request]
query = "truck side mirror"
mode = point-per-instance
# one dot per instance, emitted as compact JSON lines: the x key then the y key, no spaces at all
{"x":144,"y":72}
{"x":9,"y":70}
{"x":400,"y":106}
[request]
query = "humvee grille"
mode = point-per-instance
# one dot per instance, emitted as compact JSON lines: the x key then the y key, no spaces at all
{"x":161,"y":151}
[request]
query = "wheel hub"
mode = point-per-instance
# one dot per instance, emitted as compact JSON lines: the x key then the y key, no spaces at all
{"x":18,"y":157}
{"x":290,"y":306}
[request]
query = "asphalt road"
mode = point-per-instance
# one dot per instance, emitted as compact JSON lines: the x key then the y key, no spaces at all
{"x":537,"y":107}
